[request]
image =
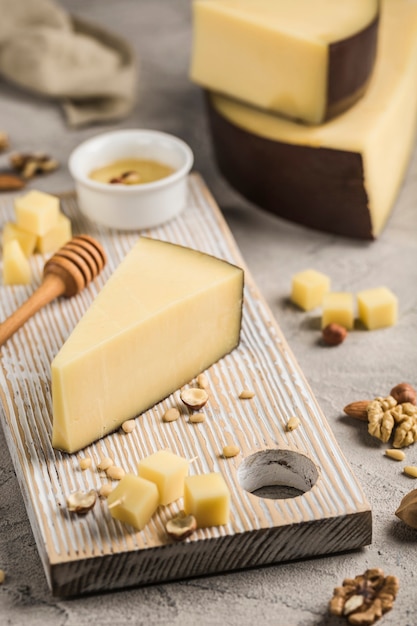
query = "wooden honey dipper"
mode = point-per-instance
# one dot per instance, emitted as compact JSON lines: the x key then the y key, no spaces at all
{"x":66,"y":273}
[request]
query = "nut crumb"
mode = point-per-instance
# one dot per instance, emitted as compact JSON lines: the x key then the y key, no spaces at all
{"x":246,"y":394}
{"x":104,"y":464}
{"x":202,"y":381}
{"x":181,"y":526}
{"x":171,"y":415}
{"x":230,"y":451}
{"x":115,"y":472}
{"x":197,"y":418}
{"x":129,"y":426}
{"x":105,"y":490}
{"x":85,"y":463}
{"x":2,"y":576}
{"x":293,"y":423}
{"x":81,"y":502}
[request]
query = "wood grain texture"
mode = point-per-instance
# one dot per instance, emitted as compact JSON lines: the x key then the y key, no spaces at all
{"x":95,"y":552}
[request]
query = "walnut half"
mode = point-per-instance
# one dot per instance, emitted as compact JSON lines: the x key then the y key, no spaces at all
{"x":364,"y":599}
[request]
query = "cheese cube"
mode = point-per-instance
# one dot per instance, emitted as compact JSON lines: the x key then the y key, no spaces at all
{"x":285,"y":55}
{"x":308,"y":289}
{"x":37,"y":212}
{"x":26,"y":239}
{"x":16,"y":268}
{"x":207,"y":497}
{"x":56,"y":237}
{"x":338,"y":308}
{"x":167,"y":471}
{"x":377,"y":307}
{"x":133,"y":501}
{"x":166,"y":314}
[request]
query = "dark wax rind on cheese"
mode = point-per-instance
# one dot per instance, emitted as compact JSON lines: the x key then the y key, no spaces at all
{"x":351,"y":62}
{"x":320,"y":188}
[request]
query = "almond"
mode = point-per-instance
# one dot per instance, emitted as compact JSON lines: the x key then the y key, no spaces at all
{"x":10,"y":182}
{"x":357,"y":410}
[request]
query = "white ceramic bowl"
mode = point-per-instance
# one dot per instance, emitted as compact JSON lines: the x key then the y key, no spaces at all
{"x":131,"y":207}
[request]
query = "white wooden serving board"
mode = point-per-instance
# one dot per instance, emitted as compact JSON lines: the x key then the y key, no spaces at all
{"x":94,"y":552}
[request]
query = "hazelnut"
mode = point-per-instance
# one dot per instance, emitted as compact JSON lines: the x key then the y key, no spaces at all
{"x":334,"y":334}
{"x":194,"y":398}
{"x":181,"y":526}
{"x":80,"y":502}
{"x":404,"y":393}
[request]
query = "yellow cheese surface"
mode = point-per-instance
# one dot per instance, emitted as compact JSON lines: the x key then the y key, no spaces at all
{"x":308,"y":288}
{"x":166,"y":314}
{"x":37,"y":212}
{"x":273,"y":53}
{"x":26,"y":240}
{"x":167,"y":471}
{"x":377,"y":307}
{"x":380,"y":127}
{"x":207,"y":497}
{"x":338,"y":308}
{"x":56,"y":237}
{"x":16,"y":268}
{"x":133,"y":501}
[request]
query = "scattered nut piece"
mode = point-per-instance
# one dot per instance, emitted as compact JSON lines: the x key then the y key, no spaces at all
{"x":171,"y":415}
{"x":333,"y":334}
{"x":407,"y":511}
{"x":230,"y":451}
{"x":4,"y":140}
{"x":358,"y":410}
{"x":30,"y":164}
{"x":397,"y":455}
{"x":104,"y":464}
{"x":246,"y":394}
{"x":364,"y":599}
{"x":81,"y":502}
{"x":194,"y":398}
{"x":202,"y":381}
{"x":10,"y":181}
{"x":197,"y":418}
{"x":85,"y":463}
{"x":181,"y":526}
{"x":410,"y":470}
{"x":115,"y":472}
{"x":293,"y":423}
{"x":384,"y":414}
{"x":2,"y":576}
{"x":404,"y":393}
{"x":129,"y":426}
{"x":105,"y":490}
{"x":127,"y":178}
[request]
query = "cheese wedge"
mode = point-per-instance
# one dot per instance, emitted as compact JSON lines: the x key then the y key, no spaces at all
{"x":167,"y":313}
{"x":305,"y":59}
{"x":343,"y":176}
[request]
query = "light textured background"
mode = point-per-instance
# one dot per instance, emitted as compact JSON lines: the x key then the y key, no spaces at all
{"x":366,"y":365}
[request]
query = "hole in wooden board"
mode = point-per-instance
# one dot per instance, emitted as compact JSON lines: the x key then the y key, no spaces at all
{"x":277,"y":474}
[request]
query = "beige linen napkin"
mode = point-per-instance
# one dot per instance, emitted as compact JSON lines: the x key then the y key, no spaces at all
{"x":91,"y":71}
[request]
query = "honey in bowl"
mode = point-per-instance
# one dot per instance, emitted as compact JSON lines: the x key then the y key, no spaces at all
{"x":131,"y":172}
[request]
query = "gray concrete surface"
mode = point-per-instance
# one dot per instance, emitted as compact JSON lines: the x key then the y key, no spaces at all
{"x":367,"y":364}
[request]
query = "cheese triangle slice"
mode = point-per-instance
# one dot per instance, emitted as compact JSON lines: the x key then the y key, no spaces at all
{"x":167,"y":313}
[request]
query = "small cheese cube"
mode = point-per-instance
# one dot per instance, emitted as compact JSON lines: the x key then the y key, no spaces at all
{"x":133,"y":501}
{"x":207,"y":497}
{"x":308,"y":289}
{"x":56,"y":237}
{"x":338,"y":308}
{"x":167,"y":471}
{"x":37,"y":212}
{"x":377,"y":307}
{"x":16,"y":268}
{"x":26,"y":240}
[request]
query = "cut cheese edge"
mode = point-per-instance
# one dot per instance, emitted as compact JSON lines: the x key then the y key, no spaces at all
{"x":306,"y":59}
{"x":344,"y":175}
{"x":167,"y":313}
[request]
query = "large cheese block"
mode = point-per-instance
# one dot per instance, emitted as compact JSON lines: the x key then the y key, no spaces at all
{"x":306,"y":59}
{"x":343,"y":176}
{"x":167,"y":313}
